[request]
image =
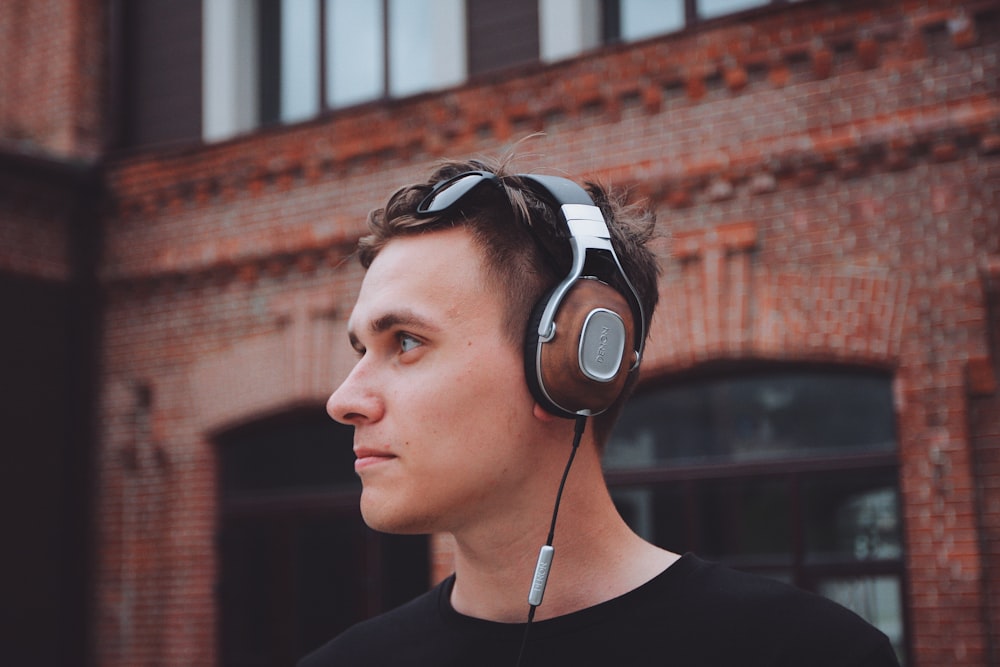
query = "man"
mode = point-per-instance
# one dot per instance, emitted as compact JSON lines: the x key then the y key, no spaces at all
{"x":495,"y":308}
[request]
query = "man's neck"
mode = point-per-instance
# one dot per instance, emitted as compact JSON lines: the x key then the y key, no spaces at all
{"x":597,"y":556}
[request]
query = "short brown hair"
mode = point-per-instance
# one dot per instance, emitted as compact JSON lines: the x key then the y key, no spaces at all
{"x":521,"y":237}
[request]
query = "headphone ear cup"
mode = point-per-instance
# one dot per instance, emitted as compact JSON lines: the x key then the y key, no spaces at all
{"x":584,"y":367}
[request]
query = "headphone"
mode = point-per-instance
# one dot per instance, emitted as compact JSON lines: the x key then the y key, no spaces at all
{"x":584,"y":337}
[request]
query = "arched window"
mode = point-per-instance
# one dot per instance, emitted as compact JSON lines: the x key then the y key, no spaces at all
{"x":791,"y":473}
{"x":297,"y":563}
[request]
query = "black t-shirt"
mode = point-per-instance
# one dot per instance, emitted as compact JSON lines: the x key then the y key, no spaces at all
{"x":695,"y":614}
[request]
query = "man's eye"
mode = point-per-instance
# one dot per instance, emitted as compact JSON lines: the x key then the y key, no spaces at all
{"x":408,"y":342}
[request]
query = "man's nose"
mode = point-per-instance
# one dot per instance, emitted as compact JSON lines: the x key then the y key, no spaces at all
{"x":356,"y":401}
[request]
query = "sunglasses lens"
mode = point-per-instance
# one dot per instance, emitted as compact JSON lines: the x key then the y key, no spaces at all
{"x":451,"y":191}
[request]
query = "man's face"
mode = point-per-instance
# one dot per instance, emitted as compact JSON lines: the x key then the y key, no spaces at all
{"x":438,"y":400}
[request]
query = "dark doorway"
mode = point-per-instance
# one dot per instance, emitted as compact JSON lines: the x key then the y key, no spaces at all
{"x":297,"y":563}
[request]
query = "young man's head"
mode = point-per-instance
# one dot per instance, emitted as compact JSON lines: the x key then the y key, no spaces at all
{"x":447,"y":434}
{"x":525,"y":249}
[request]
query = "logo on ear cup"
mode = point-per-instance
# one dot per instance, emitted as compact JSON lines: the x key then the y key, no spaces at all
{"x":602,"y":345}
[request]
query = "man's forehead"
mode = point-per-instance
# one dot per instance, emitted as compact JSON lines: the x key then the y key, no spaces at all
{"x":417,"y":279}
{"x":432,"y":258}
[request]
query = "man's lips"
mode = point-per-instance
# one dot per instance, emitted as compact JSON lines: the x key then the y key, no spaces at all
{"x":367,"y":458}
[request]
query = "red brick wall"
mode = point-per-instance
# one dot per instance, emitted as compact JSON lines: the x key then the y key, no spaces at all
{"x":829,"y":174}
{"x":54,"y":79}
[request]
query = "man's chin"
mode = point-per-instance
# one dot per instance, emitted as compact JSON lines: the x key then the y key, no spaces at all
{"x":386,"y":519}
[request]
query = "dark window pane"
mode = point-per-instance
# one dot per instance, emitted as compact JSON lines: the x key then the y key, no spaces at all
{"x":746,"y":518}
{"x":328,"y":599}
{"x":852,"y":517}
{"x":248,"y":595}
{"x":657,"y":513}
{"x":345,"y":572}
{"x":291,"y":583}
{"x":777,"y":415}
{"x":878,"y":600}
{"x":293,"y":453}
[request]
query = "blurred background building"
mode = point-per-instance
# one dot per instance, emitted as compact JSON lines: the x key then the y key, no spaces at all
{"x":181,"y":186}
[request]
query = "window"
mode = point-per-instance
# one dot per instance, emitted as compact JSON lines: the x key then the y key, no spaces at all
{"x":283,"y":61}
{"x":426,"y":45}
{"x":791,"y":473}
{"x":298,"y":564}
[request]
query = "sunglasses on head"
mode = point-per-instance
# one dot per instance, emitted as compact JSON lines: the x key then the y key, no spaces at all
{"x":449,"y":192}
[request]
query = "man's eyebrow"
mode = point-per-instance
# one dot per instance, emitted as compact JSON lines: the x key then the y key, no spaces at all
{"x":392,"y":320}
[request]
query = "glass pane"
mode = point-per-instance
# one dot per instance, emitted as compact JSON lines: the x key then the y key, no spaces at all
{"x":343,"y":572}
{"x":291,"y":453}
{"x":876,"y":599}
{"x":250,"y":554}
{"x":299,"y":59}
{"x":355,"y":52}
{"x":645,"y":18}
{"x":409,"y":48}
{"x":655,"y":513}
{"x":711,"y":8}
{"x":426,"y":45}
{"x":568,"y":27}
{"x":778,"y":415}
{"x":748,"y":519}
{"x":290,"y":583}
{"x":852,"y":517}
{"x":328,"y":563}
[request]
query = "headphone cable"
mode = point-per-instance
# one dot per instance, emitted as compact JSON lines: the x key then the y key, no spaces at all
{"x":545,"y":557}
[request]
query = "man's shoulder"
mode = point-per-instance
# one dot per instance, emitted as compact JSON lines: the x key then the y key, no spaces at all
{"x":764,"y":597}
{"x":382,"y":638}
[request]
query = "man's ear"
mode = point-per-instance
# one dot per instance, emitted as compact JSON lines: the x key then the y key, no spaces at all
{"x":543,"y":415}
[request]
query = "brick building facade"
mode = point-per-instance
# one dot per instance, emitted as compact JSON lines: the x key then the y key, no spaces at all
{"x":828,"y":175}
